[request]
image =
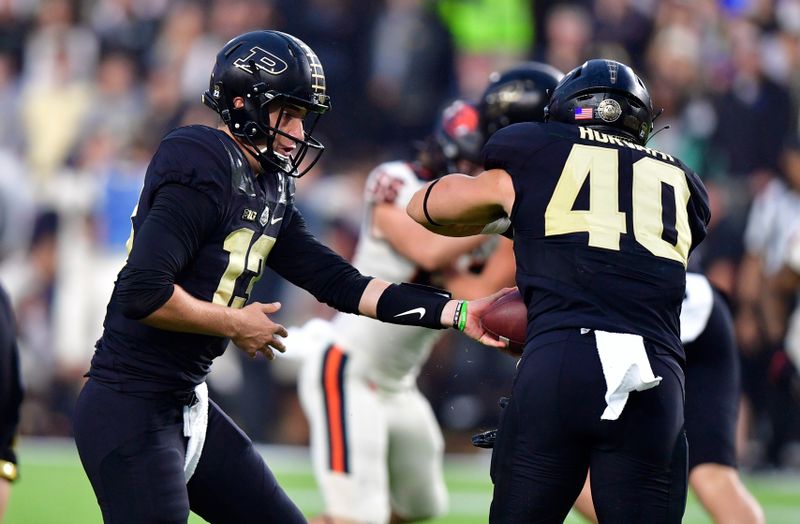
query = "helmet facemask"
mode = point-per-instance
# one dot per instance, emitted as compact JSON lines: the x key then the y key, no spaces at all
{"x":252,"y":125}
{"x":261,"y":135}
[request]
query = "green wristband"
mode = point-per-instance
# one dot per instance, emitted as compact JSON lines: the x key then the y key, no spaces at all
{"x":462,"y":316}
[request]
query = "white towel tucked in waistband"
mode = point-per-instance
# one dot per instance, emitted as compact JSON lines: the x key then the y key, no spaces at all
{"x":626,"y":368}
{"x":195,"y":424}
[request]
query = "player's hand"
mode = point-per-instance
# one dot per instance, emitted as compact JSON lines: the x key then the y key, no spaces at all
{"x":474,"y":312}
{"x":256,"y":333}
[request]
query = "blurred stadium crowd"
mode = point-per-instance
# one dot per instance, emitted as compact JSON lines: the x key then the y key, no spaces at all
{"x":88,"y":88}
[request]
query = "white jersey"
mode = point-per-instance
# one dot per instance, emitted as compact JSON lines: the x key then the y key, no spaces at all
{"x":696,"y":308}
{"x":389,"y":355}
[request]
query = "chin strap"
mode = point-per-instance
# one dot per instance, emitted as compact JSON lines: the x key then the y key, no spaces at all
{"x":661,"y":110}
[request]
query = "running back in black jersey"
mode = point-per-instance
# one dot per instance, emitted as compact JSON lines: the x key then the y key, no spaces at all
{"x":250,"y":212}
{"x":603,"y":229}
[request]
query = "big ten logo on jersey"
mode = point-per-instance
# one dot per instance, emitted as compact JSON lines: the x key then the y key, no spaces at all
{"x":383,"y":188}
{"x":656,"y":187}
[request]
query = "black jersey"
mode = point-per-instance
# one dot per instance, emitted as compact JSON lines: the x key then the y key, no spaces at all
{"x":235,"y":224}
{"x":603,"y":228}
{"x":10,"y":383}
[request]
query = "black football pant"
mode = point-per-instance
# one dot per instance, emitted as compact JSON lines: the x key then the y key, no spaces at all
{"x":133,"y":451}
{"x":712,"y":387}
{"x":550,"y":434}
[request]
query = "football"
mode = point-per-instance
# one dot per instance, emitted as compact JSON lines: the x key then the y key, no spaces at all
{"x":508,"y":319}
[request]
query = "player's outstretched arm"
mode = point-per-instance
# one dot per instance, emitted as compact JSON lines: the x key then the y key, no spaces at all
{"x":456,"y":204}
{"x":426,"y":249}
{"x":409,"y":304}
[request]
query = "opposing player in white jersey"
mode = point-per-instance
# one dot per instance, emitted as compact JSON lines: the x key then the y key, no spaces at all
{"x":376,"y":446}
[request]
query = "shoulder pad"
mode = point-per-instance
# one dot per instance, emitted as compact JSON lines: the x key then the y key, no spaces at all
{"x":197,"y":157}
{"x":513,"y":144}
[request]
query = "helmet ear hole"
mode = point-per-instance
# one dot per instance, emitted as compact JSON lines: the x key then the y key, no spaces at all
{"x":251,"y":129}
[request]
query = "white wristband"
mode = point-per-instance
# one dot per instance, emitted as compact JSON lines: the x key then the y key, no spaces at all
{"x":498,"y":227}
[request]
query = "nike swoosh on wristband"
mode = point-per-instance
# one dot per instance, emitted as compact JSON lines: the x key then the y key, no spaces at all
{"x":418,"y":310}
{"x":275,"y":220}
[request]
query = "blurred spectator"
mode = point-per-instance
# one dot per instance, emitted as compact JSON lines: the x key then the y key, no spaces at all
{"x":115,"y":87}
{"x":343,"y":44}
{"x":618,"y":22}
{"x":762,"y":315}
{"x":411,"y":71}
{"x":568,"y":31}
{"x":226,"y":19}
{"x":751,"y":150}
{"x":44,"y":411}
{"x":59,"y":61}
{"x":9,"y":106}
{"x":128,"y":26}
{"x":163,"y":108}
{"x":182,"y":26}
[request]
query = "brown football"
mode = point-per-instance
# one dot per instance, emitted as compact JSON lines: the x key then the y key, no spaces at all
{"x":508,"y":318}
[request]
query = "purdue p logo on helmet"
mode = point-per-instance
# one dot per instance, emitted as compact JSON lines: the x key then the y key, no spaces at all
{"x":263,"y":60}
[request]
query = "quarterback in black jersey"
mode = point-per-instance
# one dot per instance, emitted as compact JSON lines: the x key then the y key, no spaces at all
{"x":216,"y":208}
{"x":602,"y":227}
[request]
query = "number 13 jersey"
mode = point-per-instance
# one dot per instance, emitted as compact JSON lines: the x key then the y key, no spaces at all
{"x":242,"y":218}
{"x":603,"y":228}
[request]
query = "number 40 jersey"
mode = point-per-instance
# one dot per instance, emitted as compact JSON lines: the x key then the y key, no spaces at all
{"x":603,"y":228}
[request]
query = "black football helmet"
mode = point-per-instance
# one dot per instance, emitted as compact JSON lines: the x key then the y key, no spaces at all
{"x":457,"y":137}
{"x":266,"y":68}
{"x":605,"y":94}
{"x":517,"y":95}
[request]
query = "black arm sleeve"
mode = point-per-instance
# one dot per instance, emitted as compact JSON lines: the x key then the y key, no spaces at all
{"x":10,"y":383}
{"x":305,"y":262}
{"x":170,"y":235}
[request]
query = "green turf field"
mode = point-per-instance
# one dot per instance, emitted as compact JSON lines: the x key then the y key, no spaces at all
{"x":54,"y":490}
